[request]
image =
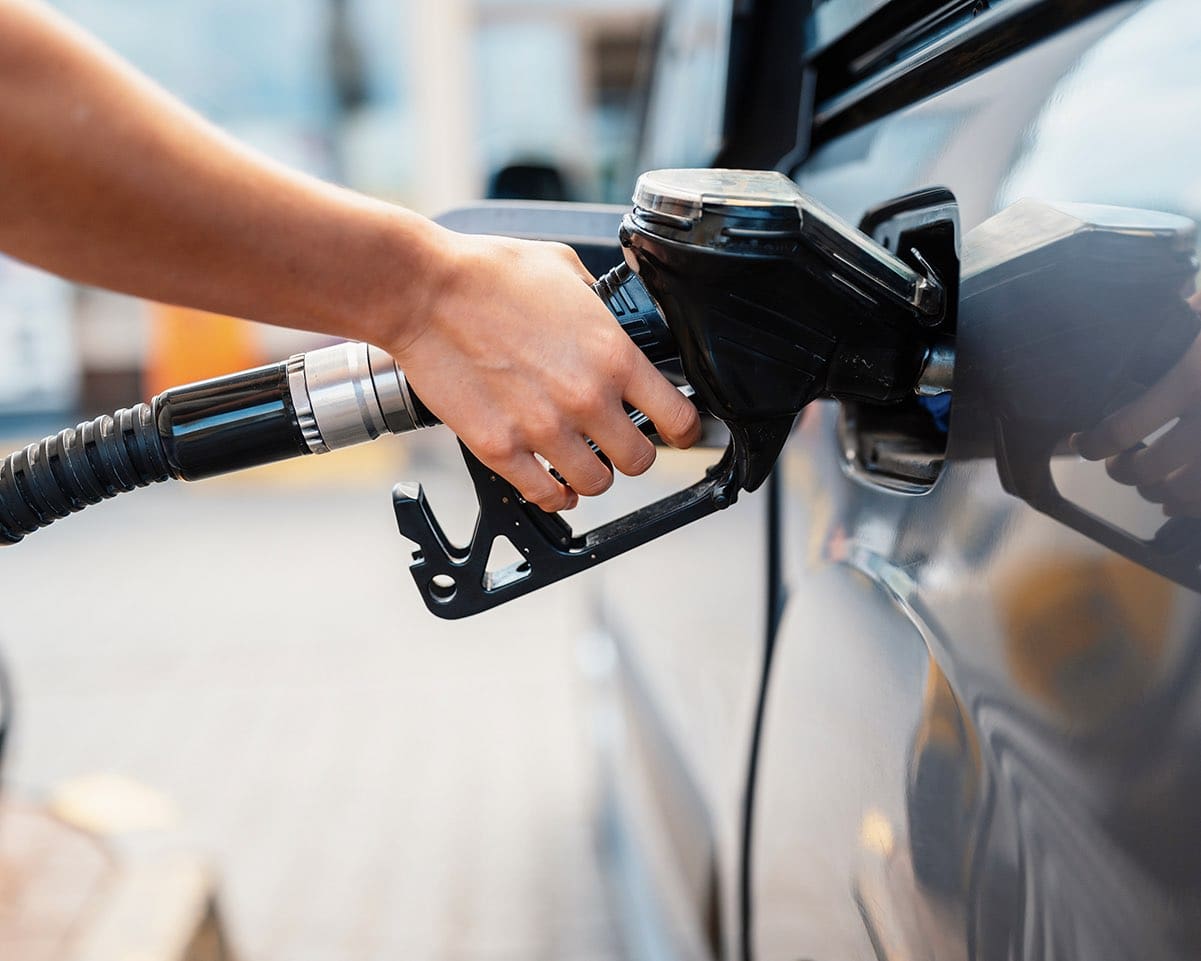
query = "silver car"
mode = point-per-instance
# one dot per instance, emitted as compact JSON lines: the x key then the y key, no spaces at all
{"x":934,"y":693}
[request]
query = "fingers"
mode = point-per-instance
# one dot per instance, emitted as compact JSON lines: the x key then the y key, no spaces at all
{"x":540,"y":367}
{"x":1166,"y":472}
{"x":1168,"y":398}
{"x":579,"y":466}
{"x":575,"y":461}
{"x":674,"y":416}
{"x":630,"y":451}
{"x":1147,"y":465}
{"x":532,"y":480}
{"x":571,"y":457}
{"x":1179,"y":492}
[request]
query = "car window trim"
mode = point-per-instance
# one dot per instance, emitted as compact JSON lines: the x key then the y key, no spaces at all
{"x":988,"y":37}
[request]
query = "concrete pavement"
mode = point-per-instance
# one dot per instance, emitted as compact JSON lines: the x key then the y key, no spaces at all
{"x":370,"y":782}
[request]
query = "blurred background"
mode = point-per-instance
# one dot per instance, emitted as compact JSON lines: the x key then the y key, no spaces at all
{"x":429,"y":105}
{"x":237,"y":731}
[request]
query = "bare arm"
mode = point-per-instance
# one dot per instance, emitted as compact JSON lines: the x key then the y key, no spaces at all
{"x":107,"y":180}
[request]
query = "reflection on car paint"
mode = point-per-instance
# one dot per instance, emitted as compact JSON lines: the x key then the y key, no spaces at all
{"x":983,"y":728}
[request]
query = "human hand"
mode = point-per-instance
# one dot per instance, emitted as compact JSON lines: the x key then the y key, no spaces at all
{"x":1167,"y":471}
{"x":518,"y":356}
{"x":502,"y":339}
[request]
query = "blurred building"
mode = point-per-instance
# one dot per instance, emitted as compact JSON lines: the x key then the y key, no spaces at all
{"x":38,"y":362}
{"x":428,"y":104}
{"x":561,"y":88}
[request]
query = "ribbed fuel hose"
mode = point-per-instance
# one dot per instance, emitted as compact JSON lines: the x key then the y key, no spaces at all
{"x":81,"y":465}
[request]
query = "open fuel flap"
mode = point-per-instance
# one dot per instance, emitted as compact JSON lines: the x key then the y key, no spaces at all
{"x":1071,"y":331}
{"x":903,"y":446}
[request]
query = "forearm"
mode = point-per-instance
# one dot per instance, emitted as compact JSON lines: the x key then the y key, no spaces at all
{"x":108,"y":181}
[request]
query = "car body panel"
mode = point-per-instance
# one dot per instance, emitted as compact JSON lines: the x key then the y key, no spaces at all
{"x":981,"y":729}
{"x":685,"y":616}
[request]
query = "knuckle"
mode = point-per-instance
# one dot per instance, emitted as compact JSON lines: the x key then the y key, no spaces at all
{"x":678,"y":421}
{"x":1112,"y":437}
{"x":640,"y":461}
{"x":548,"y":503}
{"x":1182,"y":503}
{"x":1156,"y":493}
{"x":1089,"y":445}
{"x":1184,"y":485}
{"x":565,"y":253}
{"x":1128,"y":431}
{"x":618,"y":350}
{"x":587,"y":401}
{"x":594,"y":484}
{"x":497,"y":448}
{"x":542,"y":490}
{"x":1143,"y":472}
{"x":1124,"y":469}
{"x":542,"y":426}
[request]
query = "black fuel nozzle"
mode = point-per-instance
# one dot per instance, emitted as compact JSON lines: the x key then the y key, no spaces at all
{"x":775,"y":302}
{"x":767,"y":302}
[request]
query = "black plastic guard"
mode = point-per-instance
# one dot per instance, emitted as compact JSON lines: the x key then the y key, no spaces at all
{"x":455,"y":581}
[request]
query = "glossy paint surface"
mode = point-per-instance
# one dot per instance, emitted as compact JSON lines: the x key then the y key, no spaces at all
{"x":983,"y":727}
{"x":684,"y":616}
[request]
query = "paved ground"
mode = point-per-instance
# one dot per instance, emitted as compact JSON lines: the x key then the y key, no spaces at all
{"x":371,"y":782}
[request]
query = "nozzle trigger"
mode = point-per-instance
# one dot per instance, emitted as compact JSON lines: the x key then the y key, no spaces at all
{"x":455,"y":581}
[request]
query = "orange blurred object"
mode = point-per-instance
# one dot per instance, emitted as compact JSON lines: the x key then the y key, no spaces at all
{"x":190,"y":345}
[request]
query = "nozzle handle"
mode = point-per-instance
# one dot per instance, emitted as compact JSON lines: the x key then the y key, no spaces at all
{"x":455,"y":580}
{"x":628,"y":300}
{"x":351,"y":393}
{"x":635,"y":309}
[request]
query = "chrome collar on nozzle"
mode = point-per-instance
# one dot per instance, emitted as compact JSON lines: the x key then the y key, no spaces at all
{"x":350,"y":393}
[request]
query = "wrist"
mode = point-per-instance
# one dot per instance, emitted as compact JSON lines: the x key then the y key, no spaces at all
{"x":397,"y":277}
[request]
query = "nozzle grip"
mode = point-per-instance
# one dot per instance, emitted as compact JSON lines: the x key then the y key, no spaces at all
{"x":455,"y":581}
{"x":628,"y":300}
{"x":635,"y":309}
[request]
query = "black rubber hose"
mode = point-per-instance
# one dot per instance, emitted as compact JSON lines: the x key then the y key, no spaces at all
{"x":79,"y":466}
